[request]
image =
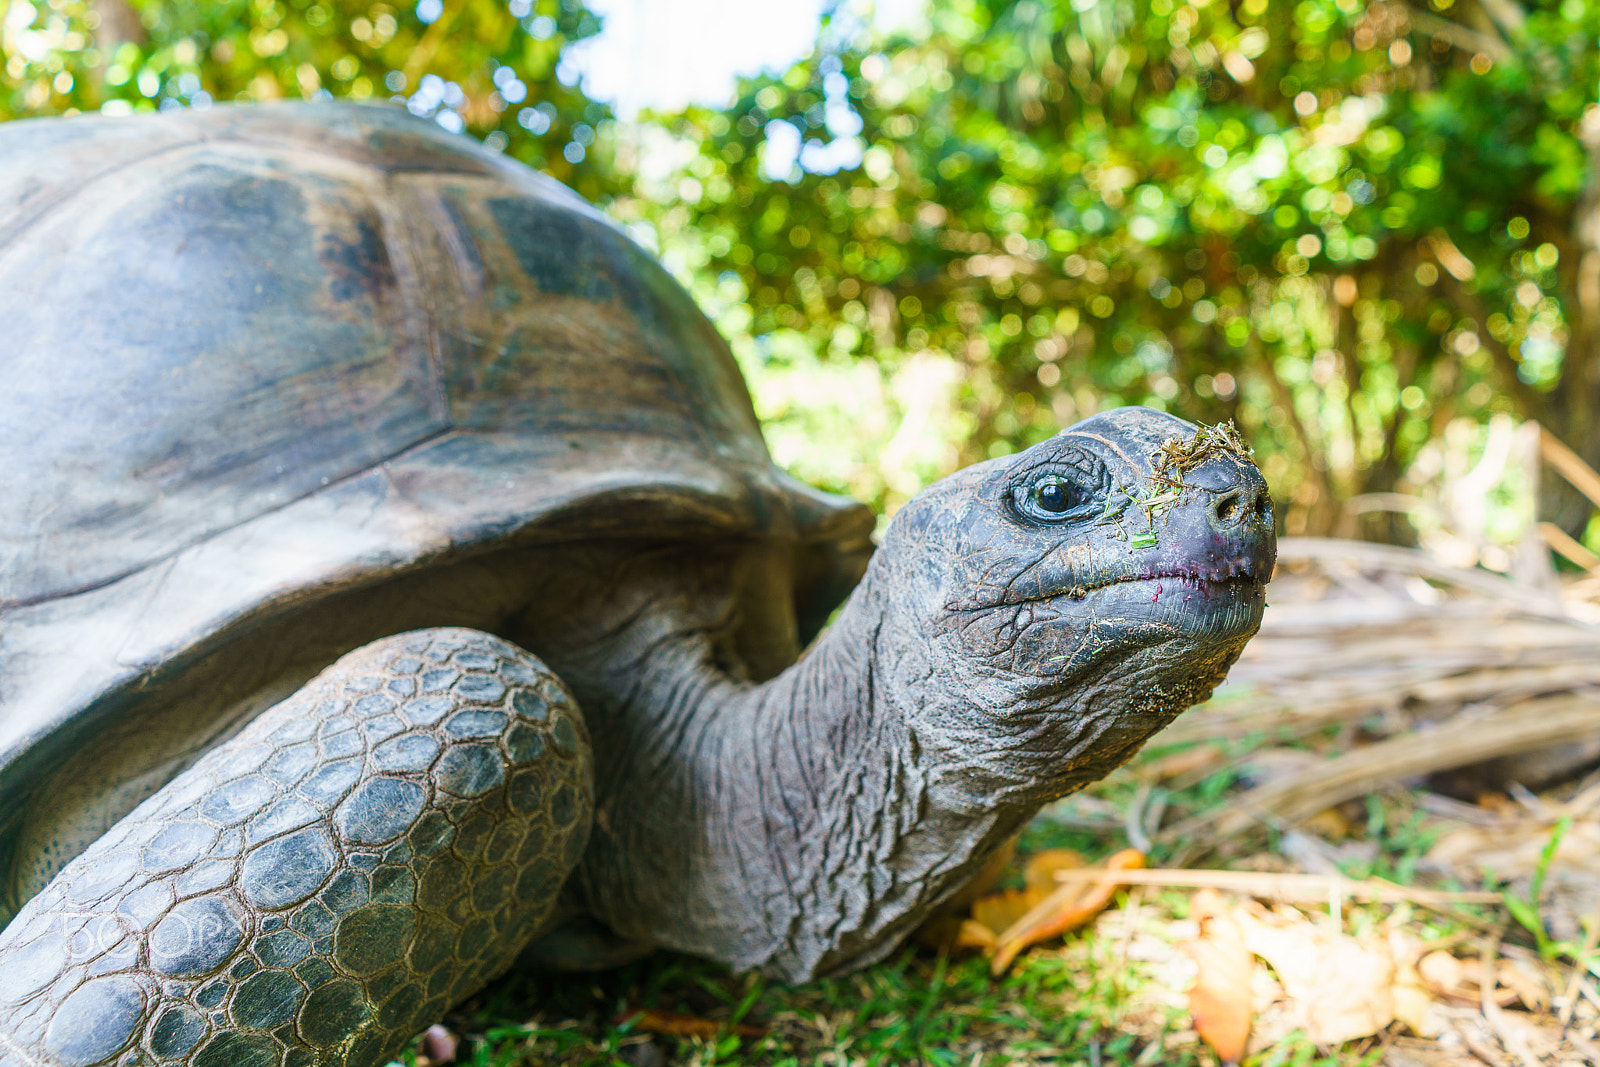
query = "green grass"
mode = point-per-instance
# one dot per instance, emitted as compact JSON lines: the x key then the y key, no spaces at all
{"x":915,"y":1008}
{"x":1086,"y":1001}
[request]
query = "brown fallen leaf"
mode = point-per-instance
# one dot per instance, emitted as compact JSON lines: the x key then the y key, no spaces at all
{"x":1415,"y":1005}
{"x":1499,"y":803}
{"x":1039,"y":875}
{"x":1220,"y":999}
{"x":1066,"y":908}
{"x":1447,"y":976}
{"x":676,"y":1024}
{"x":940,"y":933}
{"x":1343,"y":987}
{"x":1330,"y":824}
{"x":999,"y":911}
{"x":994,"y":868}
{"x":973,"y":936}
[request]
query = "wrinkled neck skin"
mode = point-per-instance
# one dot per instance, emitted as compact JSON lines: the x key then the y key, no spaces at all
{"x":806,"y":825}
{"x":793,"y":826}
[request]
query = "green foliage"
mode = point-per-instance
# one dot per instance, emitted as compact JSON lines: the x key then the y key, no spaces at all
{"x":1526,"y":910}
{"x":1337,"y":223}
{"x":1402,"y":842}
{"x":487,"y":67}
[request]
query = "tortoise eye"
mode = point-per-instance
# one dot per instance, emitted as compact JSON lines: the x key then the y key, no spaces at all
{"x":1050,"y":498}
{"x":1054,"y":495}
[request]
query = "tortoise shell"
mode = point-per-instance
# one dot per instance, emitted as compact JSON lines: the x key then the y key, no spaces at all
{"x":255,"y":357}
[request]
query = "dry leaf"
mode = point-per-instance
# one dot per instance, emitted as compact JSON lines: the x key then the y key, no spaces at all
{"x":1515,"y":982}
{"x":1220,"y":999}
{"x":940,"y":933}
{"x":1514,"y":850}
{"x":1330,"y":824}
{"x":998,"y":911}
{"x":1525,"y":977}
{"x":1500,"y":804}
{"x":1066,"y":908}
{"x":1446,"y":976}
{"x":1344,"y":987}
{"x":1040,"y":873}
{"x":1414,"y":1005}
{"x":988,"y":876}
{"x":973,"y":936}
{"x":675,"y":1024}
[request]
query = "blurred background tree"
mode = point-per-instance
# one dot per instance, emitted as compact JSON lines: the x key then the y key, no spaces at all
{"x":484,"y":67}
{"x":1347,"y":226}
{"x":1366,"y":231}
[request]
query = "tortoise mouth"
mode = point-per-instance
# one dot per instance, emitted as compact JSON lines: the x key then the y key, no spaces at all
{"x":1224,"y":580}
{"x":1233,"y":575}
{"x":1212,"y":602}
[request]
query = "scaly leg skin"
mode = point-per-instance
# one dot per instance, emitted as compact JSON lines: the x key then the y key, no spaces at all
{"x":318,"y":889}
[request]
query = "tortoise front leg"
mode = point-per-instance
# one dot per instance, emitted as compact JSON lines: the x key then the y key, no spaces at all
{"x":322,"y":886}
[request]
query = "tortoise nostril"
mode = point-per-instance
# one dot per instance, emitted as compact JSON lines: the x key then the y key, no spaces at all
{"x":1239,"y":505}
{"x":1231,"y":507}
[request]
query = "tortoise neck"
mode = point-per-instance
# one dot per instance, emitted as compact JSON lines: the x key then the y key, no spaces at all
{"x":790,"y":826}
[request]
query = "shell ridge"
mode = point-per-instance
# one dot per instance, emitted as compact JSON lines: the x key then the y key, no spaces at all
{"x":403,"y":247}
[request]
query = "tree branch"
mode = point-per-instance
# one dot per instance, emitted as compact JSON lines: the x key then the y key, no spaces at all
{"x":1468,"y":40}
{"x":1507,"y":13}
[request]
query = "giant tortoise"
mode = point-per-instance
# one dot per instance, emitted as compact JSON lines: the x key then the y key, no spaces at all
{"x":393,"y":581}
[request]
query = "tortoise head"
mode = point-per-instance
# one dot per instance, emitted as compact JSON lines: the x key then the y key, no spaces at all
{"x":1070,"y":600}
